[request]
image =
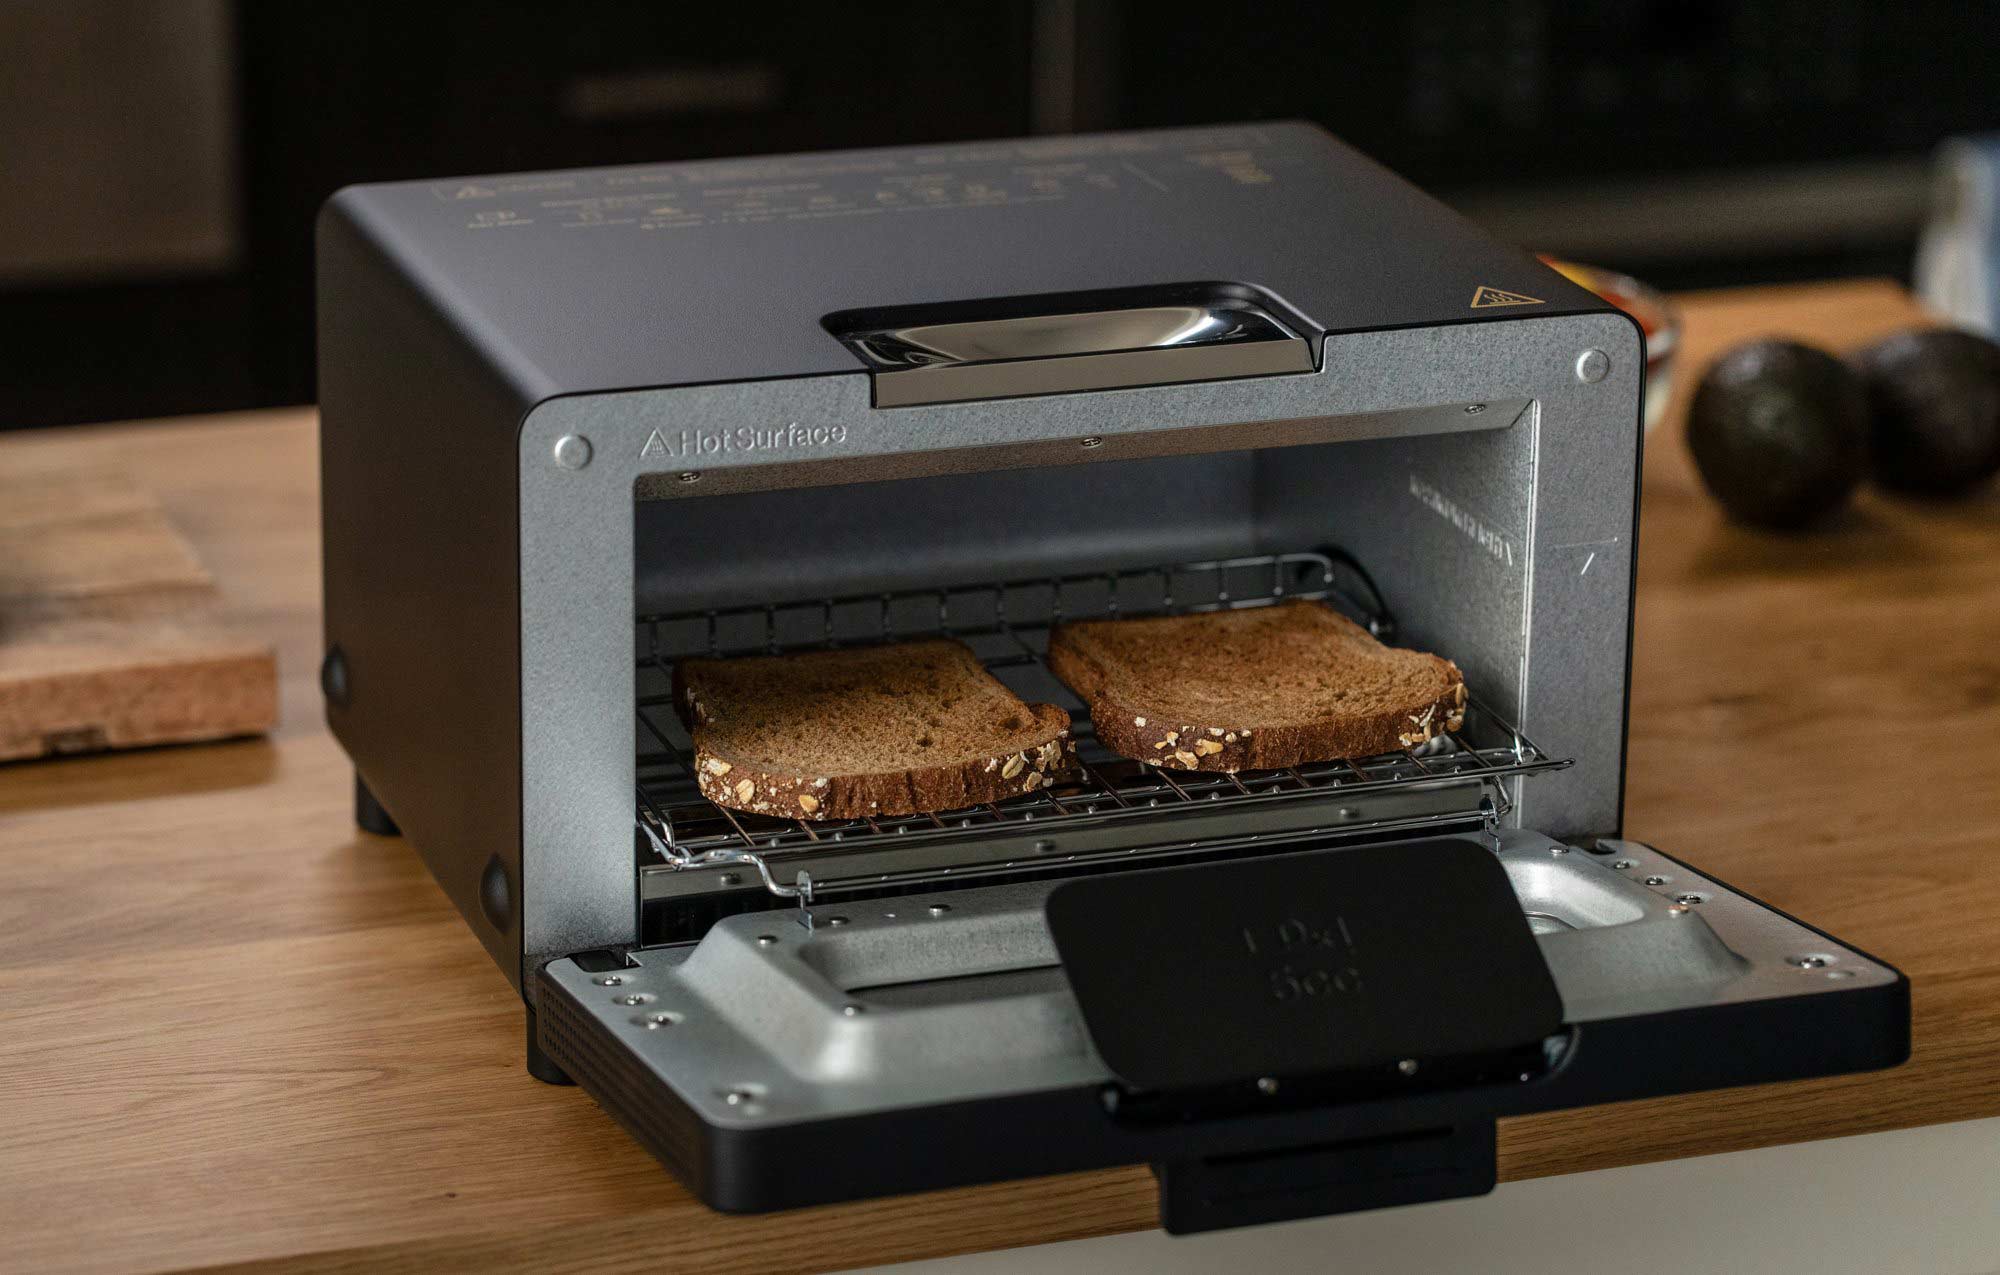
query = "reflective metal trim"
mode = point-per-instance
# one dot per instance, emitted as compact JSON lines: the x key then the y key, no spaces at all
{"x":1217,"y":339}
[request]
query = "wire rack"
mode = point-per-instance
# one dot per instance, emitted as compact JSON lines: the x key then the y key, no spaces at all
{"x":1007,"y":625}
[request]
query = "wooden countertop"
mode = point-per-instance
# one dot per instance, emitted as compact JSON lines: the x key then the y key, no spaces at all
{"x":232,"y":1029}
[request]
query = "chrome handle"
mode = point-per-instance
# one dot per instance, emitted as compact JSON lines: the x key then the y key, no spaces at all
{"x":948,"y":362}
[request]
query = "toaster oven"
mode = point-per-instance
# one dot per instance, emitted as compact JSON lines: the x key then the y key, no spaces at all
{"x":579,"y":425}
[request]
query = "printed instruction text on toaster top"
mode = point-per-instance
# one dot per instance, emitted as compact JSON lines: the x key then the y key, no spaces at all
{"x":680,"y":444}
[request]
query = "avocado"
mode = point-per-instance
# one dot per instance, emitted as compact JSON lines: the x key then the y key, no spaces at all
{"x":1935,"y":395}
{"x":1779,"y":432}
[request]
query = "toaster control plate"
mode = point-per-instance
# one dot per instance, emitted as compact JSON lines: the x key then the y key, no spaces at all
{"x":1376,"y":963}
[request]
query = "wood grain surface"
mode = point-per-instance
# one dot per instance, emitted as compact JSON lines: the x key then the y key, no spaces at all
{"x":233,"y":1030}
{"x":108,"y":631}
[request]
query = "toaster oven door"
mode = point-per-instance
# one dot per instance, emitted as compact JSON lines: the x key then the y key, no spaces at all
{"x":1312,"y":1031}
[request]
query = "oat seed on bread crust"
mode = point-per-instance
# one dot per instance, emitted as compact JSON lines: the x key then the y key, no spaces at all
{"x":911,"y":728}
{"x":1254,"y":689}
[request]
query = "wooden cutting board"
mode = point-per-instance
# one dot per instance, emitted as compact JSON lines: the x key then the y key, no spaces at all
{"x":109,"y":628}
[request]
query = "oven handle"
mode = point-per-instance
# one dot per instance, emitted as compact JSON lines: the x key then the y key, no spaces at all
{"x":1011,"y":349}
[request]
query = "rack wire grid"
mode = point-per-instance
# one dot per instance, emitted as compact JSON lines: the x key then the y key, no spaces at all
{"x":1007,"y":624}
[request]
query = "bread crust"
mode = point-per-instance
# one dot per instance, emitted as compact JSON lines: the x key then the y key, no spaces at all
{"x":1130,"y":726}
{"x":1047,"y":755}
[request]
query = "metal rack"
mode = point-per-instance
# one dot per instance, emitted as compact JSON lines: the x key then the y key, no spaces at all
{"x":1113,"y":806}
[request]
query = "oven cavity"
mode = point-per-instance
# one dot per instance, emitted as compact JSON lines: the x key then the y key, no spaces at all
{"x":710,"y":861}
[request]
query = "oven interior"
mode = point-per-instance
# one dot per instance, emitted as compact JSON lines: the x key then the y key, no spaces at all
{"x":995,"y":560}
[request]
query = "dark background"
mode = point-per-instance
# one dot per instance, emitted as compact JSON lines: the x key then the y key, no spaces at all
{"x":165,"y":157}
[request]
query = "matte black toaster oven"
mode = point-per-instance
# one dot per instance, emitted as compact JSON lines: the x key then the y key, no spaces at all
{"x":579,"y":425}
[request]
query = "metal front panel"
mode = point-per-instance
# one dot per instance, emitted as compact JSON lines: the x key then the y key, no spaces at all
{"x":1569,"y":464}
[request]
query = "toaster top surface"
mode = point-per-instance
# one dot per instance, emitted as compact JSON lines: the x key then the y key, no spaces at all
{"x":715,"y":271}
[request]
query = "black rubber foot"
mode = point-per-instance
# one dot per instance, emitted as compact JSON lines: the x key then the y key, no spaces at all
{"x":540,"y":1065}
{"x":369,"y":815}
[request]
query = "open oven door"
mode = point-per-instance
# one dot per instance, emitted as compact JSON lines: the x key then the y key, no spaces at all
{"x":1305,"y":1032}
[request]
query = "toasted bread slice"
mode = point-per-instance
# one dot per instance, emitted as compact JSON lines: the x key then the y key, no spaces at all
{"x":1254,"y":689}
{"x":912,"y":728}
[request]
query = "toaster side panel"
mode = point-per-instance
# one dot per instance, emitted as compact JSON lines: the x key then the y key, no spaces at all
{"x":420,"y":573}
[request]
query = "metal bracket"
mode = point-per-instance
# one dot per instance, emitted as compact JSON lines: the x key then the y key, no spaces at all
{"x":682,"y":860}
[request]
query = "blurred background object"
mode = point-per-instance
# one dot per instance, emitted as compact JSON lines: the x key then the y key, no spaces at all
{"x":1958,"y":258}
{"x":165,"y":157}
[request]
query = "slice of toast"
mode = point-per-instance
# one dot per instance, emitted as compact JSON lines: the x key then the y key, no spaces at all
{"x":912,"y":728}
{"x":1254,"y":689}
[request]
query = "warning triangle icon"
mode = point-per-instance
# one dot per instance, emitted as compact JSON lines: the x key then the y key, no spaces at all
{"x":1483,"y":296}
